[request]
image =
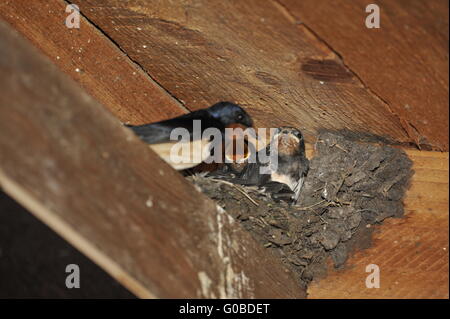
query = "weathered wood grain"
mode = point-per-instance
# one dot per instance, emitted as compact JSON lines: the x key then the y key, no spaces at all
{"x":69,"y":161}
{"x":92,"y":60}
{"x":182,"y":37}
{"x":245,"y":51}
{"x":405,"y":61}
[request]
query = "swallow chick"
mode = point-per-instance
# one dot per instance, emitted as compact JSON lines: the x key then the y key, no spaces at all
{"x":286,"y":168}
{"x":219,"y":116}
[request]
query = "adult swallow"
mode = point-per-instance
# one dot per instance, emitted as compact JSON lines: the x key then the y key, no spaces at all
{"x":285,"y":169}
{"x":218,"y":116}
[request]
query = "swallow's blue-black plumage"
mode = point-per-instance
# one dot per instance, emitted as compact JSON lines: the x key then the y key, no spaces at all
{"x":219,"y":115}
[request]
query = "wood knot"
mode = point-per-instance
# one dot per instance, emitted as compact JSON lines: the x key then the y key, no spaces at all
{"x":326,"y":71}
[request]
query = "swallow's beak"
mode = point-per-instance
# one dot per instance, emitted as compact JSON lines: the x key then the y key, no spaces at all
{"x":286,"y":138}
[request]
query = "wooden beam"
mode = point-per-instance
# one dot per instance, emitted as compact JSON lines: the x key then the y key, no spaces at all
{"x":73,"y":165}
{"x":92,"y":60}
{"x":107,"y":78}
{"x":405,"y":61}
{"x":250,"y":52}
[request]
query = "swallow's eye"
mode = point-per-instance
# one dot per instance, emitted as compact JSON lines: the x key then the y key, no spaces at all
{"x":240,"y":117}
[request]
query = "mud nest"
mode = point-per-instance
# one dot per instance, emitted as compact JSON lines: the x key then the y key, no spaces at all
{"x":350,"y":187}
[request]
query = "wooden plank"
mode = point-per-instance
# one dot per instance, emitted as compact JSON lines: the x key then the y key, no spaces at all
{"x":412,"y":252}
{"x":435,"y":201}
{"x":69,"y":161}
{"x":405,"y":61}
{"x":92,"y":60}
{"x":245,"y":51}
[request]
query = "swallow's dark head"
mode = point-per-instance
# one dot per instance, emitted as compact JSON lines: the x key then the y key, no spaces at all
{"x":229,"y":113}
{"x":290,"y":140}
